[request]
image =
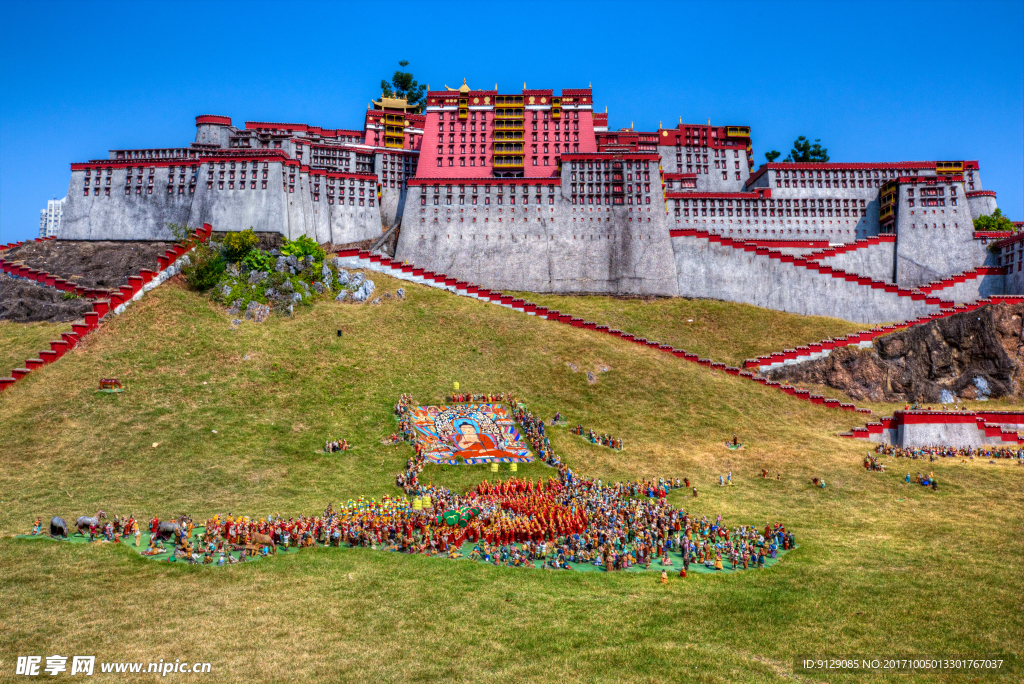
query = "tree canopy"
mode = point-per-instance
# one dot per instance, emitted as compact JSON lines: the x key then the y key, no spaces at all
{"x":995,"y":223}
{"x":403,"y":85}
{"x":804,"y":151}
{"x":772,"y":156}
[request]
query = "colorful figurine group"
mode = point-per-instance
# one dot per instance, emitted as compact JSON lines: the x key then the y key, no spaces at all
{"x":963,"y":453}
{"x":337,"y":445}
{"x":595,"y":438}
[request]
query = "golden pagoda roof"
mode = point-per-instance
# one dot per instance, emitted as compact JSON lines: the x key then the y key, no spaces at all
{"x":392,"y":103}
{"x":462,"y":89}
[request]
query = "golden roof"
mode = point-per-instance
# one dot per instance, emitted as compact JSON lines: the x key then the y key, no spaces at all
{"x":392,"y":103}
{"x":462,"y":89}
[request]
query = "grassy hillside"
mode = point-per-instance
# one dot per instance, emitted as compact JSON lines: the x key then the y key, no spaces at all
{"x":723,"y":331}
{"x":882,"y":566}
{"x":20,"y":341}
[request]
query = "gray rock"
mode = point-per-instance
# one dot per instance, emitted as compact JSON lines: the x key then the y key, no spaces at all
{"x":343,"y":277}
{"x":356,"y":280}
{"x":401,"y":293}
{"x":292,"y":260}
{"x":256,"y":277}
{"x":226,"y":290}
{"x":233,"y":269}
{"x":291,"y":310}
{"x":271,"y":293}
{"x":309,"y":260}
{"x":376,"y":301}
{"x":281,"y":265}
{"x":185,"y":261}
{"x":341,"y":296}
{"x":236,"y":322}
{"x":364,"y":291}
{"x":984,"y":391}
{"x":235,"y":307}
{"x":319,"y":287}
{"x":304,"y":284}
{"x":296,"y":296}
{"x":287,"y":286}
{"x":326,"y":275}
{"x":257,"y":312}
{"x":275,"y":252}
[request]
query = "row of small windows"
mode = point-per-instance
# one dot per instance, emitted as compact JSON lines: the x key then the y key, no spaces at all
{"x":609,"y":199}
{"x":933,"y":197}
{"x":829,"y":183}
{"x":591,"y":165}
{"x":611,"y":176}
{"x":813,"y":208}
{"x":474,"y":199}
{"x":474,"y":188}
{"x":608,"y":188}
{"x":534,"y":161}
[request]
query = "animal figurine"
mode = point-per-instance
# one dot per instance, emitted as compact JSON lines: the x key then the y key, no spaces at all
{"x":110,"y":384}
{"x":85,"y":521}
{"x":259,"y":540}
{"x":172,"y":529}
{"x":58,"y":528}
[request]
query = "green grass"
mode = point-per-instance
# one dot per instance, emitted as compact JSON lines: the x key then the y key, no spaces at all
{"x":721,"y":331}
{"x":883,"y":567}
{"x":20,"y":341}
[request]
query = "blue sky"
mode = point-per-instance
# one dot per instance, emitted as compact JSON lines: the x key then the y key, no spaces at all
{"x":885,"y":81}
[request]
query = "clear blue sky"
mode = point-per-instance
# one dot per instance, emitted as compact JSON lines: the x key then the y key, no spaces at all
{"x":875,"y":81}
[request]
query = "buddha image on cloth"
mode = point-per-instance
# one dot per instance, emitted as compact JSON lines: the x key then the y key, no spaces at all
{"x":470,"y":442}
{"x":468,"y":434}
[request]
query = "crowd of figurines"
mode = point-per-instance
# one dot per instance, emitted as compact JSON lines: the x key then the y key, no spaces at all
{"x":518,"y":522}
{"x":331,"y":446}
{"x":941,"y":451}
{"x":923,"y":480}
{"x":595,"y":438}
{"x":871,"y":464}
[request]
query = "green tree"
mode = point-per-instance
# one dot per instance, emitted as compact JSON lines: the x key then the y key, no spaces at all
{"x":804,"y":151}
{"x":772,"y":156}
{"x":403,"y":85}
{"x":995,"y":223}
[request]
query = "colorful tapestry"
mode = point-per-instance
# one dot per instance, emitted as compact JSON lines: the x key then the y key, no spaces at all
{"x":468,"y":434}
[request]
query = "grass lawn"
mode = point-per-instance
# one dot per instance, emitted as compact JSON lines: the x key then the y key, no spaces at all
{"x":722,"y":331}
{"x":883,"y":567}
{"x":20,"y":341}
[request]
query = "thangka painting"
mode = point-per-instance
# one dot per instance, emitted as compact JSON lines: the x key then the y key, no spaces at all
{"x":468,"y":434}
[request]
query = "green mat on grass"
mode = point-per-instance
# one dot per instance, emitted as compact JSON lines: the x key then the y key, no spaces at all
{"x":464,"y":551}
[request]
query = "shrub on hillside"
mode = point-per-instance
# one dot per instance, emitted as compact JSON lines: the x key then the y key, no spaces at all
{"x":238,"y":244}
{"x":303,"y":247}
{"x":258,"y":260}
{"x":204,"y":268}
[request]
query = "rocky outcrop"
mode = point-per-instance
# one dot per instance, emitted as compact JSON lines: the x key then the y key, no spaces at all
{"x":24,"y":301}
{"x":971,"y":355}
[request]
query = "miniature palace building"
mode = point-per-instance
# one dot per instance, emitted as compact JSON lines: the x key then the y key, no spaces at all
{"x":532,"y":191}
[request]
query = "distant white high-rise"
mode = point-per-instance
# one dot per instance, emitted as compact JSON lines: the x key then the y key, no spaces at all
{"x":49,"y":218}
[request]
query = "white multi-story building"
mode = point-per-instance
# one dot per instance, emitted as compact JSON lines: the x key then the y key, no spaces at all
{"x":50,"y":217}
